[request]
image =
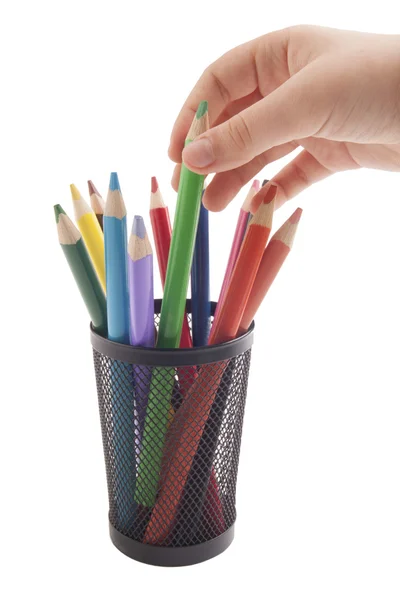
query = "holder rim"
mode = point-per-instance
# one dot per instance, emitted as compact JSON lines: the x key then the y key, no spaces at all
{"x":175,"y":357}
{"x":183,"y":556}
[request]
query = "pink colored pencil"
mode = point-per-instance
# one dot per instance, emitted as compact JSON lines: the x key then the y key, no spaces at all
{"x":237,"y":242}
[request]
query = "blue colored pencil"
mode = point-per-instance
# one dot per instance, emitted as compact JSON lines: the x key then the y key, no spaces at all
{"x":115,"y":241}
{"x":201,"y":282}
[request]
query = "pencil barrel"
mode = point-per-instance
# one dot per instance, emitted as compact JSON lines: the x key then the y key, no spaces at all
{"x":182,"y":508}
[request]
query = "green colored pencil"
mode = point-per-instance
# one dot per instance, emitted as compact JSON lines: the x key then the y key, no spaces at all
{"x":171,"y":318}
{"x":182,"y":243}
{"x":82,"y":269}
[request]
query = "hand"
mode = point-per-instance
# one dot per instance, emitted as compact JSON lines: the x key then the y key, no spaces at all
{"x":334,"y":93}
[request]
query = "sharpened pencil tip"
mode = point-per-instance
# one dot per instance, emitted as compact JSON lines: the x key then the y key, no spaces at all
{"x":58,"y":210}
{"x":154,"y":185}
{"x":202,"y":109}
{"x":75,"y":192}
{"x":138,"y":227}
{"x":92,"y":188}
{"x":114,"y":182}
{"x":296,"y":216}
{"x":264,"y":182}
{"x":270,"y":194}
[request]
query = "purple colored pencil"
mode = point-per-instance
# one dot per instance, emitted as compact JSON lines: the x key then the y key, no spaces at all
{"x":141,"y":311}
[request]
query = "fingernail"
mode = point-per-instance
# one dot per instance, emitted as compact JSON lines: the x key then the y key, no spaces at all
{"x":199,"y":153}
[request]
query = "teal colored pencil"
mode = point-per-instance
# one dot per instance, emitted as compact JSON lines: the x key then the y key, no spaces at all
{"x":115,"y":241}
{"x":171,"y":318}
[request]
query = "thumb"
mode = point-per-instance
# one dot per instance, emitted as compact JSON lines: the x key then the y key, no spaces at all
{"x":295,"y":110}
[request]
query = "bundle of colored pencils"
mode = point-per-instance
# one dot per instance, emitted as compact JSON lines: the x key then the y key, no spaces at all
{"x":115,"y":278}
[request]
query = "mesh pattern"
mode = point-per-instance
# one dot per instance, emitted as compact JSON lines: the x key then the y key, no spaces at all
{"x":171,"y":439}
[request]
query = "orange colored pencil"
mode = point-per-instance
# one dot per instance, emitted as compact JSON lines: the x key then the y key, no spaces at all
{"x":195,"y":410}
{"x":274,"y":256}
{"x":226,"y":325}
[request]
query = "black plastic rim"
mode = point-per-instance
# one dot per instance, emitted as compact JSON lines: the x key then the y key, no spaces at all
{"x":171,"y":557}
{"x":174,"y":357}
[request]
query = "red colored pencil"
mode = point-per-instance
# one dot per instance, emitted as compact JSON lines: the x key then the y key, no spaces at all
{"x":226,"y":326}
{"x":273,"y":258}
{"x":196,"y":408}
{"x":162,"y":232}
{"x":238,"y":237}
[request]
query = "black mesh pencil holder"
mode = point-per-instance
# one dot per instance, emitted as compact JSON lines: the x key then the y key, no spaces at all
{"x":171,"y":424}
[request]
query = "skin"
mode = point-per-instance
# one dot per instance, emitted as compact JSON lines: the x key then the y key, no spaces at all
{"x":333,"y":94}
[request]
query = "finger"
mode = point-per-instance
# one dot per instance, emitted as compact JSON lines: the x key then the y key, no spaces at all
{"x":236,"y":107}
{"x":176,"y":176}
{"x":297,"y":109}
{"x":231,"y":109}
{"x":233,"y":76}
{"x":225,"y":186}
{"x":299,"y":174}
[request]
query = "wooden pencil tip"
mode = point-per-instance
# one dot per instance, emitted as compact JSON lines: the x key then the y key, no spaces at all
{"x":138,"y":227}
{"x":139,"y":245}
{"x":154,"y":185}
{"x":92,"y":188}
{"x":264,"y":182}
{"x":156,"y":199}
{"x":270,"y":194}
{"x":58,"y":210}
{"x":296,"y":216}
{"x":202,"y":109}
{"x":264,"y":213}
{"x":114,"y":182}
{"x":286,"y":233}
{"x":75,"y":192}
{"x":200,"y":123}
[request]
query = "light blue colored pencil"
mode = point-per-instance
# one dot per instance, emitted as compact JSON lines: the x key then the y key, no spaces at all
{"x":116,"y":264}
{"x":115,"y":241}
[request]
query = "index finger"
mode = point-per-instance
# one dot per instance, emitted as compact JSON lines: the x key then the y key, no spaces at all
{"x":229,"y":78}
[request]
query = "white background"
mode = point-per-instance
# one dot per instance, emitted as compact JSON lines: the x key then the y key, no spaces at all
{"x":90,"y":87}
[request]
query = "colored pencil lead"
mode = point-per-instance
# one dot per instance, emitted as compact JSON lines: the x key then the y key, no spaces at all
{"x":114,"y":182}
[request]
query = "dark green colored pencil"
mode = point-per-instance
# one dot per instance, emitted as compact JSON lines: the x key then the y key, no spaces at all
{"x":82,"y":269}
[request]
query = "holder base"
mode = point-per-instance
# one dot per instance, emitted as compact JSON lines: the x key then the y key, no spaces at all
{"x":171,"y":557}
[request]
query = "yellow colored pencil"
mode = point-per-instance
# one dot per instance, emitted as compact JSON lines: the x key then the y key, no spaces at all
{"x":91,"y":232}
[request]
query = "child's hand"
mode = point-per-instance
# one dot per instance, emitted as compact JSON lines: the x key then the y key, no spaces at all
{"x":334,"y":93}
